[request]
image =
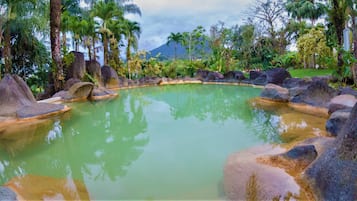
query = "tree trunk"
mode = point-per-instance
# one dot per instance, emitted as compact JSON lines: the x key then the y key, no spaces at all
{"x":94,"y":50}
{"x":89,"y":52}
{"x":55,"y":22}
{"x":7,"y":50}
{"x":354,"y":39}
{"x":64,"y":41}
{"x":128,"y":56}
{"x":105,"y":47}
{"x":338,"y":19}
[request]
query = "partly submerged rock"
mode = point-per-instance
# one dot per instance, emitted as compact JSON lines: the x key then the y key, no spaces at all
{"x":247,"y":179}
{"x":100,"y":93}
{"x":31,"y":187}
{"x":341,"y":102}
{"x":234,"y":75}
{"x":317,"y":94}
{"x":275,"y":92}
{"x":333,"y":174}
{"x":6,"y":194}
{"x":16,"y":100}
{"x":81,"y":90}
{"x":214,"y":76}
{"x":337,"y":121}
{"x":202,"y":74}
{"x":110,"y":77}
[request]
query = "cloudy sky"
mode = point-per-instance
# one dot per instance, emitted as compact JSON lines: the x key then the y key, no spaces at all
{"x":161,"y":17}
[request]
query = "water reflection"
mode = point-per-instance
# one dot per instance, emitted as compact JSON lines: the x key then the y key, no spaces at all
{"x":99,"y":140}
{"x":219,"y":104}
{"x":152,"y":139}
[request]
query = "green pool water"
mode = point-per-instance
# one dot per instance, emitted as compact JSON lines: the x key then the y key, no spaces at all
{"x":153,"y":143}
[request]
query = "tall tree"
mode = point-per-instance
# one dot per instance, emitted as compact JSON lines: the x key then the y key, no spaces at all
{"x":55,"y":29}
{"x":132,"y":33}
{"x":106,"y":12}
{"x":305,"y":9}
{"x":176,"y":38}
{"x":337,"y":15}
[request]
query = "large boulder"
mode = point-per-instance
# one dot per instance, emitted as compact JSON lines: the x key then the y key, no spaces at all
{"x":317,"y":94}
{"x":202,"y":74}
{"x":261,"y":80}
{"x":77,"y":68}
{"x":337,"y":121}
{"x":33,"y":187}
{"x":234,"y":75}
{"x":149,"y":81}
{"x":277,"y":75}
{"x":94,"y":70}
{"x":99,"y":93}
{"x":69,"y":83}
{"x":347,"y":90}
{"x":341,"y":102}
{"x":296,"y":82}
{"x":254,"y":74}
{"x":245,"y":178}
{"x":16,"y":100}
{"x":110,"y":77}
{"x":7,"y":194}
{"x":214,"y":76}
{"x":333,"y":175}
{"x":79,"y":90}
{"x":275,"y":92}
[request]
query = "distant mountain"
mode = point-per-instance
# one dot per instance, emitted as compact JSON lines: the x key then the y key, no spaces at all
{"x":167,"y":51}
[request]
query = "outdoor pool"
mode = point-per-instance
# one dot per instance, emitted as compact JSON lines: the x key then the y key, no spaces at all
{"x":167,"y":142}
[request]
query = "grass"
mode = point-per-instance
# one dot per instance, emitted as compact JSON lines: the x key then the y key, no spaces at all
{"x":301,"y":73}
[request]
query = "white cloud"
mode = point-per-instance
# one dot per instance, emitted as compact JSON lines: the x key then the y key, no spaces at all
{"x":161,"y":17}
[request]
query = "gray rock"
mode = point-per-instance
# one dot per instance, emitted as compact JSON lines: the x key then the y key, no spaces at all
{"x":254,"y":74}
{"x":16,"y":99}
{"x":277,"y":75}
{"x":110,"y":77}
{"x":296,"y":83}
{"x":94,"y":70}
{"x":318,"y":94}
{"x":341,"y":102}
{"x":347,"y":90}
{"x":7,"y":194}
{"x":333,"y":174}
{"x":214,"y":76}
{"x":303,"y":152}
{"x":77,"y":68}
{"x":69,"y":83}
{"x":38,"y":109}
{"x":81,"y":90}
{"x":275,"y":92}
{"x":234,"y":75}
{"x":202,"y":74}
{"x":337,"y":121}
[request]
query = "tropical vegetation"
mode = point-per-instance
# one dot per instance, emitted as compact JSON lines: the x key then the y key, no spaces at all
{"x":304,"y":34}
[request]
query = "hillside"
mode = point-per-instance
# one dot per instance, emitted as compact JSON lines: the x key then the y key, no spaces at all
{"x":167,"y":51}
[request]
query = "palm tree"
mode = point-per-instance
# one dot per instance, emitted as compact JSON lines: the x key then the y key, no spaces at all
{"x":132,"y":33}
{"x":16,"y":12}
{"x":305,"y":9}
{"x":177,"y":38}
{"x":337,"y":14}
{"x":55,"y":26}
{"x":106,"y":12}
